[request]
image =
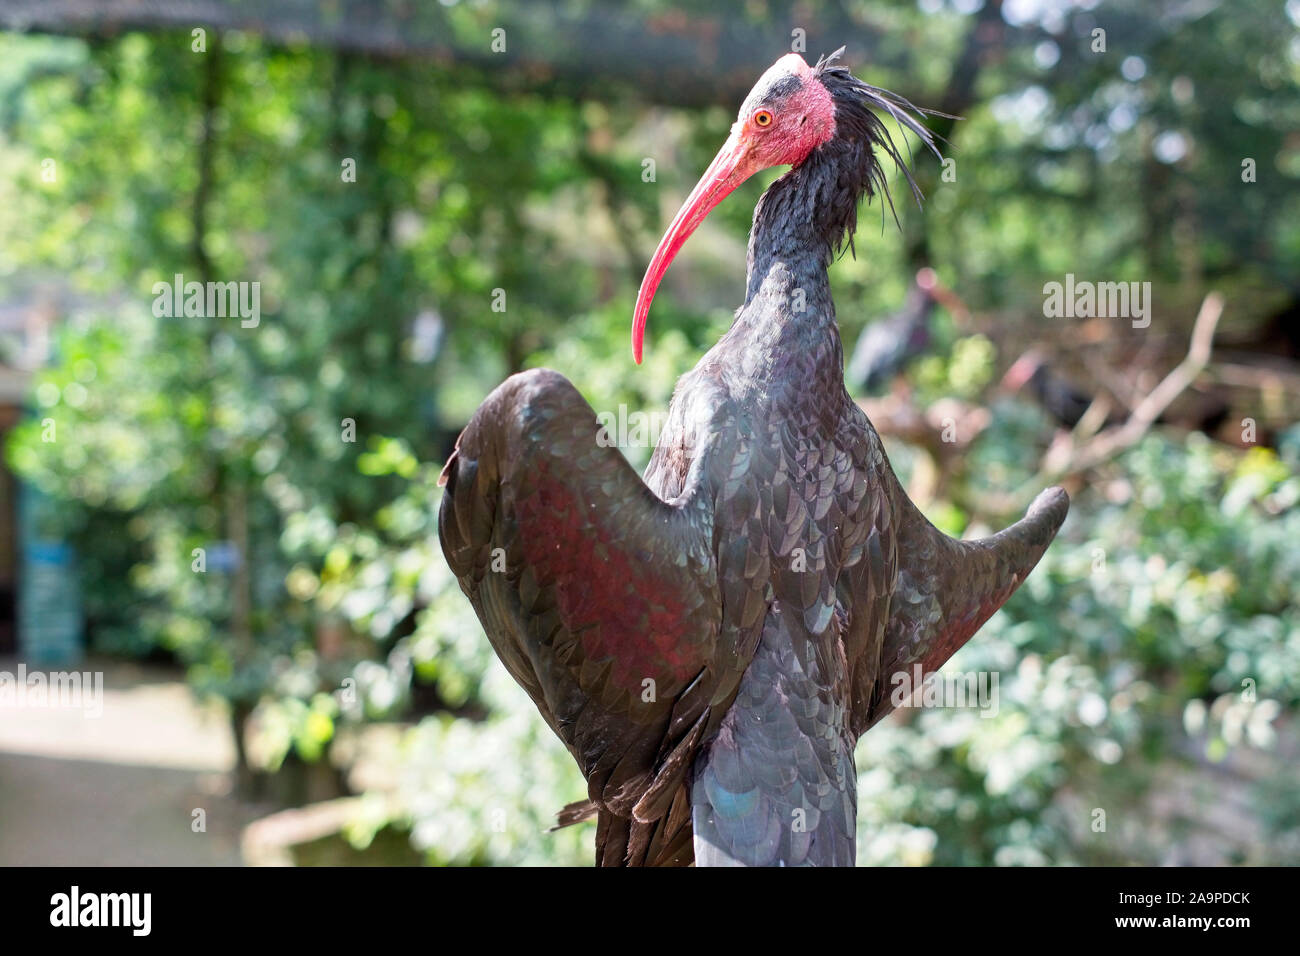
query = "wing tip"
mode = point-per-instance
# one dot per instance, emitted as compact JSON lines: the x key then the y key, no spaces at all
{"x":447,"y":470}
{"x":1053,"y":503}
{"x":1042,"y":520}
{"x":1020,"y":546}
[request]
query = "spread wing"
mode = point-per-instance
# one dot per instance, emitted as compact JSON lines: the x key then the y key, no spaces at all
{"x":601,"y":598}
{"x":946,"y":589}
{"x":912,"y":594}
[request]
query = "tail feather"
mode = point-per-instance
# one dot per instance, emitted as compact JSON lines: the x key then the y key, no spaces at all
{"x":624,"y":841}
{"x":574,"y":813}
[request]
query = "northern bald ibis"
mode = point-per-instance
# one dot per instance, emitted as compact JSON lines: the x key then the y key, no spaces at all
{"x":887,"y":345}
{"x":711,"y":640}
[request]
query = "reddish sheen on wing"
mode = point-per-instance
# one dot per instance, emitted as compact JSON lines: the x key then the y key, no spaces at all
{"x":620,"y":610}
{"x":731,"y":167}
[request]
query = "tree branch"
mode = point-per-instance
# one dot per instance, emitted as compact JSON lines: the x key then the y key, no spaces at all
{"x":1074,"y":458}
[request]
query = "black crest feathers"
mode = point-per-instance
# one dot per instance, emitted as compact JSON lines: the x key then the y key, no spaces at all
{"x":861,"y":132}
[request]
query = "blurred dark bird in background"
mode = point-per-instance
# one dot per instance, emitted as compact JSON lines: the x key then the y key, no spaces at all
{"x":885,"y":347}
{"x":1200,"y":410}
{"x":1057,"y":396}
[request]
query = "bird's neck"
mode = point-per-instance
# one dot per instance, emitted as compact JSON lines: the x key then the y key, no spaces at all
{"x":810,"y":211}
{"x":789,"y":316}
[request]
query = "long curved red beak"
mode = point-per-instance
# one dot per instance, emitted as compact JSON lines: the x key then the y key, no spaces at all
{"x":731,"y":167}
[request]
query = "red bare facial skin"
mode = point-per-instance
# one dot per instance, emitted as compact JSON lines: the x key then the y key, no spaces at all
{"x":778,"y":133}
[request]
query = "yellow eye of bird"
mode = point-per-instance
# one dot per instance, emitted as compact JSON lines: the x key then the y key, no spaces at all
{"x":762,"y":118}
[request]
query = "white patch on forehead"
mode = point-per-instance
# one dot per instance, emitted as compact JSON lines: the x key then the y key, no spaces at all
{"x":791,"y":65}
